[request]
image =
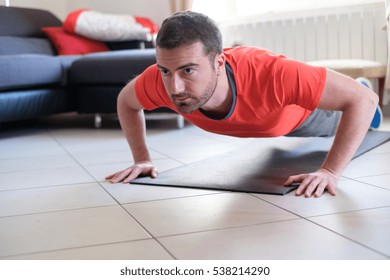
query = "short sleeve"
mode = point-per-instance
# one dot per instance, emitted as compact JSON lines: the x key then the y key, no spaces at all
{"x":150,"y":90}
{"x":299,"y":83}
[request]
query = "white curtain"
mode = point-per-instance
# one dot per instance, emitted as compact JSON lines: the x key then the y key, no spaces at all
{"x":387,"y":83}
{"x":180,"y":5}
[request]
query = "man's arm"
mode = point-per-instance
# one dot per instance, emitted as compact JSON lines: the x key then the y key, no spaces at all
{"x":132,"y":121}
{"x":358,"y":105}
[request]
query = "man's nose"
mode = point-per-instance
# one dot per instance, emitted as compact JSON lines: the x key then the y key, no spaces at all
{"x":177,"y":85}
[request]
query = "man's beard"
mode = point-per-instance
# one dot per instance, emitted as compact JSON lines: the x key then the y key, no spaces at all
{"x":192,"y":104}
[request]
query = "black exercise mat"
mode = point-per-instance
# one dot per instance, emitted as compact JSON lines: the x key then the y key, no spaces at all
{"x":262,"y":166}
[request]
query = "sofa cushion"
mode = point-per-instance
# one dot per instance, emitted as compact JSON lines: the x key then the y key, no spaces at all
{"x":25,"y":22}
{"x":29,"y":70}
{"x":67,"y":43}
{"x":108,"y":27}
{"x":111,"y":68}
{"x":128,"y":45}
{"x":32,"y":103}
{"x":25,"y":45}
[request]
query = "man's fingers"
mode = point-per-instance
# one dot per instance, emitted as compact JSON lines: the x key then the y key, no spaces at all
{"x":301,"y":189}
{"x":314,"y":184}
{"x":135,"y":172}
{"x":294,"y":179}
{"x":130,"y":178}
{"x":120,"y":176}
{"x":154,"y":173}
{"x":110,"y":176}
{"x":138,"y":171}
{"x":308,"y":184}
{"x":320,"y":189}
{"x":331,"y":189}
{"x":131,"y":173}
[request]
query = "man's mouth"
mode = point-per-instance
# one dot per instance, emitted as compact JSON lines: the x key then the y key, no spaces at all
{"x":181,"y":98}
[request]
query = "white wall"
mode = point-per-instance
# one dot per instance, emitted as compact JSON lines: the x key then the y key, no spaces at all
{"x":157,"y":10}
{"x":221,"y":10}
{"x":57,"y":7}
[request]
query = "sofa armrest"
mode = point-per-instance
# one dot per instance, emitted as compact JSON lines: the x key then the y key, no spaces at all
{"x":125,"y":45}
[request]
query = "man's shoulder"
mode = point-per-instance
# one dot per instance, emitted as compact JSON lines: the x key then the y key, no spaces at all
{"x":151,"y":70}
{"x":249,"y":54}
{"x":244,"y":59}
{"x":149,"y":80}
{"x":150,"y":74}
{"x":248,"y":50}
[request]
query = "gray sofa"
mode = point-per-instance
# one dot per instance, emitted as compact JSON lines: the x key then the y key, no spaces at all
{"x":35,"y":81}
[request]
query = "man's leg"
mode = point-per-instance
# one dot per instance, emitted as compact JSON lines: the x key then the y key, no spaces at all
{"x":320,"y":123}
{"x":324,"y":123}
{"x":378,"y":117}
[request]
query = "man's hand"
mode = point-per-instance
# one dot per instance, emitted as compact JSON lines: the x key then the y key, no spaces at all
{"x":145,"y":168}
{"x":314,"y":183}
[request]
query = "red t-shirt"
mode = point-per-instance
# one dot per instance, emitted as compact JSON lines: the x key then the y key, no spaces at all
{"x":274,"y":95}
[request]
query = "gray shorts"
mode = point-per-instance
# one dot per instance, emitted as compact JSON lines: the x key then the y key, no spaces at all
{"x":320,"y":123}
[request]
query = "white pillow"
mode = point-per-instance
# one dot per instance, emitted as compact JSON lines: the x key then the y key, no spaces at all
{"x":106,"y":27}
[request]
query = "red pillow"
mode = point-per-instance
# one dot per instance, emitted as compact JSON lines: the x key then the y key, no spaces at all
{"x":67,"y":43}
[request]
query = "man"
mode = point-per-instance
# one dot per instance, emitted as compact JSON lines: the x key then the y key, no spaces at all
{"x":244,"y":92}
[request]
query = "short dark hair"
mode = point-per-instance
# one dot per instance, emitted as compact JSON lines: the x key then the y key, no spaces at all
{"x":186,"y":28}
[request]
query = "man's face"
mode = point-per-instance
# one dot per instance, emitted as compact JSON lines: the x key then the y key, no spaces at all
{"x":188,"y":76}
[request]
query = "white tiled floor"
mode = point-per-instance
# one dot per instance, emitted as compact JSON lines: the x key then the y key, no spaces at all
{"x":55,"y":203}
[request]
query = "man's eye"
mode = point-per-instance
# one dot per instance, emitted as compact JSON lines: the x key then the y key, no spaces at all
{"x":164,"y":72}
{"x":188,"y":70}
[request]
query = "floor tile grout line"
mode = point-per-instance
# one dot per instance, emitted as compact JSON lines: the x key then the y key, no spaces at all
{"x":370,"y":184}
{"x":226,"y":228}
{"x":321,"y":215}
{"x":74,"y":248}
{"x":194,"y":232}
{"x":335,"y":213}
{"x":350,"y":211}
{"x":80,"y":165}
{"x":121,"y":204}
{"x":58,"y":211}
{"x":71,"y":156}
{"x":213,"y":230}
{"x":148,"y":232}
{"x":368,"y":176}
{"x":216,"y":139}
{"x":85,"y":169}
{"x":273,"y":204}
{"x":171,"y":198}
{"x":328,"y":229}
{"x":48,"y":186}
{"x":34,"y":169}
{"x":350,"y":239}
{"x":118,"y":203}
{"x":167,"y":156}
{"x":254,"y":224}
{"x":140,"y":224}
{"x":136,"y":220}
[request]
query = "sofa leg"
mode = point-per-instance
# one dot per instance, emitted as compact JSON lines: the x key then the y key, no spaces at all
{"x":180,"y":121}
{"x":98,"y":121}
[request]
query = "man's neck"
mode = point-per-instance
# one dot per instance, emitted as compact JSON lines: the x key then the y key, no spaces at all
{"x":220,"y":103}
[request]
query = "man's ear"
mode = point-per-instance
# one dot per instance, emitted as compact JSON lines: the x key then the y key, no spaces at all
{"x":220,"y":60}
